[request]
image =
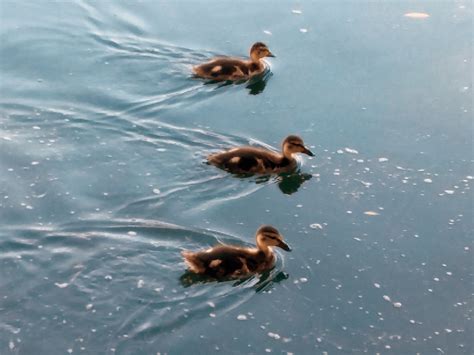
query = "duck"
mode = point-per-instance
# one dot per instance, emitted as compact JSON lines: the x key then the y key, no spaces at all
{"x":233,"y":69}
{"x":254,"y":160}
{"x":230,"y":261}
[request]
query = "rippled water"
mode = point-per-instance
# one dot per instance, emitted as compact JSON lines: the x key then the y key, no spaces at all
{"x":103,"y":181}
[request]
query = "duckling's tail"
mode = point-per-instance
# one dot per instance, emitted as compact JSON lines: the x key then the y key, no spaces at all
{"x":193,"y":262}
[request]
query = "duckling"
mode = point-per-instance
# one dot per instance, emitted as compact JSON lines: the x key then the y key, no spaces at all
{"x":243,"y":160}
{"x":227,"y":68}
{"x":228,"y":261}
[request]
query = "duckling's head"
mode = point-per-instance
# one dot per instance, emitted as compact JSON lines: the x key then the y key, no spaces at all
{"x":294,"y":144}
{"x":268,"y":236}
{"x":260,"y":50}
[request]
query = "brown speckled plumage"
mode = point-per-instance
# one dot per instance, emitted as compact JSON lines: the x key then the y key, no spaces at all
{"x":260,"y":160}
{"x":228,"y":68}
{"x":224,"y":261}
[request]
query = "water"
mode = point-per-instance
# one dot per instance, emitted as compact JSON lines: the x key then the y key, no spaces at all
{"x":103,"y":137}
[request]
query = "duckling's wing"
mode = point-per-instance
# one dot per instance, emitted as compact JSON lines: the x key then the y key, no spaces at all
{"x":223,"y":261}
{"x":223,"y":69}
{"x":247,"y":159}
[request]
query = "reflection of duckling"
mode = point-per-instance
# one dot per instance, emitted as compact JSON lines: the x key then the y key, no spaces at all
{"x":260,"y":160}
{"x":227,"y":68}
{"x":233,"y":261}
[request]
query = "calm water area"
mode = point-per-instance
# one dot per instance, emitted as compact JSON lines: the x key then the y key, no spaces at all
{"x":104,"y":135}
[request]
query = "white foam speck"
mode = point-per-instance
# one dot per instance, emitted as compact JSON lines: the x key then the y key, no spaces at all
{"x":132,"y":233}
{"x":417,"y":15}
{"x":274,"y":335}
{"x":303,"y":30}
{"x":386,"y":298}
{"x":376,"y":285}
{"x":397,"y":304}
{"x":315,"y":226}
{"x":34,"y":162}
{"x":382,"y":160}
{"x":108,"y":277}
{"x":212,"y":315}
{"x":7,"y":138}
{"x":242,"y":317}
{"x":211,"y":304}
{"x":412,"y":321}
{"x":469,"y":177}
{"x":61,"y":285}
{"x":303,"y":279}
{"x":429,"y":181}
{"x":449,"y":192}
{"x":267,"y":32}
{"x":140,"y":283}
{"x":447,"y":330}
{"x":89,"y":306}
{"x":371,"y":213}
{"x":297,"y":12}
{"x":351,"y":151}
{"x":156,"y":191}
{"x":11,"y":345}
{"x":339,"y":151}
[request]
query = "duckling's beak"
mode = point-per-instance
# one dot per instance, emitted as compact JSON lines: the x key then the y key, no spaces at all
{"x":283,"y":245}
{"x":270,"y":54}
{"x":309,"y":152}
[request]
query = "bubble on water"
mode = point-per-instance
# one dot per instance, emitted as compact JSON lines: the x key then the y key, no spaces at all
{"x":242,"y":317}
{"x":351,"y":151}
{"x":61,"y":285}
{"x":382,"y":160}
{"x":315,"y":226}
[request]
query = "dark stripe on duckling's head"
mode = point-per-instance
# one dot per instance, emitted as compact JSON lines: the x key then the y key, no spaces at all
{"x":260,"y":50}
{"x":294,"y":144}
{"x":270,"y":236}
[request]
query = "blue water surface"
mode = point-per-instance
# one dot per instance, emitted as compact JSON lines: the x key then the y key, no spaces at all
{"x":103,"y":139}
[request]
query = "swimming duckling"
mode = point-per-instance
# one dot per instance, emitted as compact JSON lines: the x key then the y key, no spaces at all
{"x":260,"y":160}
{"x":228,"y":261}
{"x":227,"y":68}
